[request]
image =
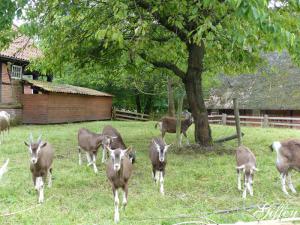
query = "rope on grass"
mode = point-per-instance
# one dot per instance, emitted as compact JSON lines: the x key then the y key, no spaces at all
{"x":24,"y":210}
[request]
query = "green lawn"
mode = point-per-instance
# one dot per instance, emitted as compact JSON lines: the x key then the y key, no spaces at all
{"x":196,"y":185}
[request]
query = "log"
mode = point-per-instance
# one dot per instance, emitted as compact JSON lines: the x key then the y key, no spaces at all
{"x":229,"y":138}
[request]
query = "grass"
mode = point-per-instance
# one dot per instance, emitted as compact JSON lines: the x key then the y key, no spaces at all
{"x":196,"y":185}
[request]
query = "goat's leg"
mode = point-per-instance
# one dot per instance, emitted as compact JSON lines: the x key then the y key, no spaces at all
{"x":153,"y":174}
{"x":283,"y":180}
{"x":290,"y":183}
{"x":40,"y":188}
{"x":239,"y":180}
{"x":94,"y":163}
{"x":161,"y":179}
{"x":88,"y":158}
{"x":50,"y":177}
{"x":104,"y":154}
{"x":250,"y":182}
{"x":79,"y":156}
{"x":116,"y":217}
{"x":125,"y":194}
{"x":187,"y":140}
{"x":156,"y":178}
{"x":180,"y":140}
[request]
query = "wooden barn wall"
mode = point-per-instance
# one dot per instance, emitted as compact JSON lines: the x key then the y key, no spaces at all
{"x":6,"y":90}
{"x":63,"y":108}
{"x":35,"y":109}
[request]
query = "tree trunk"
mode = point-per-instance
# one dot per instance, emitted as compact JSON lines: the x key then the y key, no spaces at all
{"x":171,"y":103}
{"x":148,"y":104}
{"x":138,"y":103}
{"x":193,"y":88}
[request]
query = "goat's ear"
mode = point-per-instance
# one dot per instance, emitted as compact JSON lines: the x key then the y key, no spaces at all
{"x":167,"y":147}
{"x":42,"y":145}
{"x":255,"y":169}
{"x":26,"y":143}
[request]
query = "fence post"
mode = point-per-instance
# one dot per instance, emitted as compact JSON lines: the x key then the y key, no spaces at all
{"x":266,"y":121}
{"x":224,"y":118}
{"x":237,"y":121}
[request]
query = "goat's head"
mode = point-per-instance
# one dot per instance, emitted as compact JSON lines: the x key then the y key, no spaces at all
{"x":161,"y":150}
{"x":105,"y":140}
{"x":117,"y":156}
{"x":188,"y":116}
{"x":35,"y":148}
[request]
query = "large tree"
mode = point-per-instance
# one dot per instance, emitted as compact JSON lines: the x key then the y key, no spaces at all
{"x":192,"y":39}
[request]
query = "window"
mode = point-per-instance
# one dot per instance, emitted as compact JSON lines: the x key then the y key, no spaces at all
{"x":16,"y":72}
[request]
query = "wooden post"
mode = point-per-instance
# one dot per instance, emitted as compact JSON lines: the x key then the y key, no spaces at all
{"x":266,"y":121}
{"x":178,"y":120}
{"x":237,"y":121}
{"x":224,"y":118}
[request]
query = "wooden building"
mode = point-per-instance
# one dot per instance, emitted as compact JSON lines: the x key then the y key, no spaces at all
{"x":61,"y":103}
{"x":273,"y":91}
{"x":29,"y":100}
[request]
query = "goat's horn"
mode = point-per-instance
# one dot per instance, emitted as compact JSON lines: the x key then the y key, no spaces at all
{"x":30,"y":138}
{"x":39,"y":138}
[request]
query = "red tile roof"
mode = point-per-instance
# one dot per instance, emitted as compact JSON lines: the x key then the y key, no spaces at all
{"x":22,"y":49}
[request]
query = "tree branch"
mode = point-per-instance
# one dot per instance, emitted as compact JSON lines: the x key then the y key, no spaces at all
{"x":163,"y":20}
{"x":166,"y":65}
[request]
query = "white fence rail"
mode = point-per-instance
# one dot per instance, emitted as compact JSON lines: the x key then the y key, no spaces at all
{"x":263,"y":121}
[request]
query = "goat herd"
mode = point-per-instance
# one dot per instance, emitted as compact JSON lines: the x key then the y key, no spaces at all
{"x":120,"y":163}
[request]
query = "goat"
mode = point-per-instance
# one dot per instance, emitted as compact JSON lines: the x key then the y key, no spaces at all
{"x":157,"y":154}
{"x":168,"y":125}
{"x":288,"y":158}
{"x":116,"y":142}
{"x":41,"y":154}
{"x":118,"y":171}
{"x":3,"y":169}
{"x":90,"y":143}
{"x":4,"y":123}
{"x":246,"y":163}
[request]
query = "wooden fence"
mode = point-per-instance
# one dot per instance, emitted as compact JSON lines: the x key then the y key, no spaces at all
{"x":129,"y":115}
{"x":263,"y":121}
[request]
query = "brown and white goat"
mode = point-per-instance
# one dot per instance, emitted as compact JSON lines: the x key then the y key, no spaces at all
{"x":3,"y":169}
{"x":168,"y":125}
{"x":157,"y":154}
{"x":246,"y":163}
{"x":41,"y":158}
{"x":90,"y":143}
{"x":288,"y":158}
{"x":116,"y":142}
{"x":118,"y":171}
{"x":4,"y":124}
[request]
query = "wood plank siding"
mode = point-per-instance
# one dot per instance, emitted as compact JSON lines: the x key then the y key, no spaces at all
{"x":64,"y":108}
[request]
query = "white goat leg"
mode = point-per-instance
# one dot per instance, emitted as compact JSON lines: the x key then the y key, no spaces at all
{"x":161,"y":179}
{"x":239,"y":181}
{"x":88,"y":158}
{"x":180,"y":141}
{"x":156,"y":178}
{"x":94,"y":164}
{"x":79,"y":156}
{"x":124,"y":199}
{"x":49,"y":179}
{"x":249,"y":188}
{"x":40,"y":188}
{"x":283,"y":179}
{"x":3,"y":169}
{"x":290,"y":183}
{"x":245,"y":191}
{"x":104,"y":155}
{"x":117,"y":217}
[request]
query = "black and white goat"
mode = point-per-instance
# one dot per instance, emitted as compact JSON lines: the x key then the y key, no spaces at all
{"x":168,"y":125}
{"x":41,"y":158}
{"x":118,"y":171}
{"x":246,"y":163}
{"x":157,"y":154}
{"x":288,"y":158}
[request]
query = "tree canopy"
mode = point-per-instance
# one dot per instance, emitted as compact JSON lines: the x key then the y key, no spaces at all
{"x":191,"y":39}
